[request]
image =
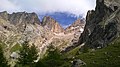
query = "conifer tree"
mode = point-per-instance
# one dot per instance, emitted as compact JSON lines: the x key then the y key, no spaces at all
{"x":3,"y":61}
{"x":27,"y":55}
{"x":53,"y":58}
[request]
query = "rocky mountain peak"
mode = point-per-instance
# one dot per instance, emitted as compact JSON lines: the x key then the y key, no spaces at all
{"x":77,"y":26}
{"x":102,"y":25}
{"x":52,"y":25}
{"x":21,"y":26}
{"x":78,"y":22}
{"x":4,"y":15}
{"x":23,"y":17}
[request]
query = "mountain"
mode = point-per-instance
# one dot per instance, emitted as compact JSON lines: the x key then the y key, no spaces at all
{"x":23,"y":17}
{"x":64,"y":18}
{"x":52,"y":25}
{"x":102,"y":25}
{"x":18,"y":27}
{"x":99,"y":44}
{"x":76,"y":26}
{"x":96,"y":44}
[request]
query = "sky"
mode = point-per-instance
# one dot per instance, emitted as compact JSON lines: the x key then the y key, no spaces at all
{"x":64,"y":11}
{"x":77,"y":7}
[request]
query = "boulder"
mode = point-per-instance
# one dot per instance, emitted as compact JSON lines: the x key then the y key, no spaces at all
{"x":78,"y":63}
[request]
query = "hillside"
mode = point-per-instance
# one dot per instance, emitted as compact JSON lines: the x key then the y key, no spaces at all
{"x":16,"y":28}
{"x":102,"y":25}
{"x":100,"y":40}
{"x":106,"y":57}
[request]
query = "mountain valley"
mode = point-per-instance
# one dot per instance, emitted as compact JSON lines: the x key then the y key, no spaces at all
{"x":22,"y":26}
{"x":26,"y":40}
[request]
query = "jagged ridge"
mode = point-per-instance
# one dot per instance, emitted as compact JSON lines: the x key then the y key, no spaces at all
{"x":102,"y":25}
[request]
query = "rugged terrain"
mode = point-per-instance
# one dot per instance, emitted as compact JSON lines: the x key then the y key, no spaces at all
{"x":97,"y":46}
{"x":99,"y":43}
{"x":102,"y":25}
{"x":18,"y":27}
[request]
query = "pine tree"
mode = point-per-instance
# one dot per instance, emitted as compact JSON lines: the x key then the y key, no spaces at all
{"x":33,"y":54}
{"x":3,"y":61}
{"x":53,"y":53}
{"x":53,"y":58}
{"x":27,"y":55}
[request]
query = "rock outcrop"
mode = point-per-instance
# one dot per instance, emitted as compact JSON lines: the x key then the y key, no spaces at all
{"x":18,"y":27}
{"x":77,"y":26}
{"x":78,"y":63}
{"x":23,"y":17}
{"x":52,"y":25}
{"x":76,"y":29}
{"x":102,"y":25}
{"x":70,"y":35}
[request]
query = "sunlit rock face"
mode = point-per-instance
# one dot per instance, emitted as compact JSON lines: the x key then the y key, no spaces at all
{"x":18,"y":27}
{"x":102,"y":25}
{"x":77,"y":26}
{"x":76,"y":29}
{"x":52,"y":25}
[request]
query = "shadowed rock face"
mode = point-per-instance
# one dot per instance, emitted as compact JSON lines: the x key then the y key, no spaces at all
{"x":19,"y":25}
{"x":22,"y":17}
{"x":52,"y":25}
{"x":102,"y":25}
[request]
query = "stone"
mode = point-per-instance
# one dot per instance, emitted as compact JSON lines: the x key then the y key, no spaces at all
{"x":14,"y":55}
{"x":78,"y":63}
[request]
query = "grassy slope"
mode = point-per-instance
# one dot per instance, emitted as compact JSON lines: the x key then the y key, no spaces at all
{"x":106,"y":57}
{"x":16,"y":48}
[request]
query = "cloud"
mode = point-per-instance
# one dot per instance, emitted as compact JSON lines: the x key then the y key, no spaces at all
{"x":65,"y":26}
{"x":78,"y":7}
{"x":6,"y":5}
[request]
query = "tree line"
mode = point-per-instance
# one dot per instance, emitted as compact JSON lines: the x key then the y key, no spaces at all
{"x":29,"y":54}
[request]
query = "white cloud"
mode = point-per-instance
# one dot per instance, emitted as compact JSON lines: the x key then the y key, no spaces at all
{"x":65,"y":26}
{"x":42,"y":6}
{"x":6,"y":5}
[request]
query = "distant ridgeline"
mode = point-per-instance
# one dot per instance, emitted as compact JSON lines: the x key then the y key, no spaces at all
{"x":64,"y":18}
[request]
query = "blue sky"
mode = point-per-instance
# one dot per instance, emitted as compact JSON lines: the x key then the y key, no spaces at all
{"x":43,"y":7}
{"x":64,"y":18}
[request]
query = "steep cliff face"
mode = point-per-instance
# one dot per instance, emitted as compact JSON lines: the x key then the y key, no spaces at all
{"x":75,"y":29}
{"x":74,"y":32}
{"x":102,"y":25}
{"x":77,"y":26}
{"x":20,"y":19}
{"x":18,"y":27}
{"x":52,"y":25}
{"x":23,"y":17}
